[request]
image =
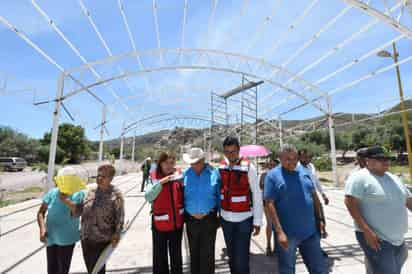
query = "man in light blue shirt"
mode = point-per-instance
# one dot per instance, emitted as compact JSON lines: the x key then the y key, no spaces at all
{"x":378,"y":202}
{"x":201,"y":199}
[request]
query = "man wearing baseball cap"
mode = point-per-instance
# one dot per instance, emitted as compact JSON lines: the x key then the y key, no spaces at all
{"x":377,"y":201}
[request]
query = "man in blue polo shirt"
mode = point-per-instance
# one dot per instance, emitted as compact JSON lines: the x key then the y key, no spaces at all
{"x":202,"y":199}
{"x":291,"y":201}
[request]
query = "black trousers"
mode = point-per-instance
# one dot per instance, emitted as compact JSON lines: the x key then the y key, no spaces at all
{"x":91,"y":252}
{"x":202,"y":238}
{"x":59,"y":259}
{"x":144,"y":179}
{"x":162,"y":243}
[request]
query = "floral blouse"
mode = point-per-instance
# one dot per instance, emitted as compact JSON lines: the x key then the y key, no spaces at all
{"x":102,"y":214}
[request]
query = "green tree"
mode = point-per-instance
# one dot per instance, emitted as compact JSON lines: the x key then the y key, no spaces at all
{"x":344,"y":142}
{"x":71,"y":141}
{"x":15,"y":144}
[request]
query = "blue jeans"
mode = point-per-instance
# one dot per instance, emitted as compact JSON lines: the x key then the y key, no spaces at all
{"x":388,"y":260}
{"x":237,"y":237}
{"x":310,"y":251}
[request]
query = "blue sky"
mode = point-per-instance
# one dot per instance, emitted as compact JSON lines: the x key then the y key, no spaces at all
{"x":262,"y":25}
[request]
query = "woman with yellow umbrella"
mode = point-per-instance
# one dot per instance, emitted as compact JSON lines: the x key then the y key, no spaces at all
{"x":59,"y":230}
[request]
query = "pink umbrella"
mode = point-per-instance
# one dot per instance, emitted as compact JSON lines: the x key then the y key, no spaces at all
{"x":254,"y":151}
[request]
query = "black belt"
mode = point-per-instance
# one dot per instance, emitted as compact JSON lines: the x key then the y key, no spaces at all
{"x":212,"y":213}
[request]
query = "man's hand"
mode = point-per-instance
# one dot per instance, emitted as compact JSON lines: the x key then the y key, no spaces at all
{"x":372,"y":239}
{"x":115,"y":240}
{"x":325,"y":199}
{"x":256,"y":230}
{"x":283,"y":240}
{"x":43,"y":236}
{"x":322,"y":229}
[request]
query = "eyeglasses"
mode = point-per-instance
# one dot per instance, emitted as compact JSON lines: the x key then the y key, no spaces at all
{"x":230,"y":152}
{"x":102,"y":176}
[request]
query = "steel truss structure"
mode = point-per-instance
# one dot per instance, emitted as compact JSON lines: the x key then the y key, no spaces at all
{"x":296,"y":90}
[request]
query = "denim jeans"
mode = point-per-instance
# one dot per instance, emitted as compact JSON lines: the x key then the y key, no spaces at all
{"x":310,"y":251}
{"x":237,"y":237}
{"x":388,"y":260}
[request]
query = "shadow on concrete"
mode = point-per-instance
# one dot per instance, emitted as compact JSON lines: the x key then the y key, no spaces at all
{"x":26,"y":257}
{"x":259,"y":263}
{"x":262,"y":264}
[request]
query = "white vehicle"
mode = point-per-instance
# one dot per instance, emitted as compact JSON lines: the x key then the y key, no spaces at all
{"x":12,"y":163}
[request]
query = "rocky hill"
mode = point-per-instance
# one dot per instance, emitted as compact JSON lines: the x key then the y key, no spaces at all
{"x":177,"y":137}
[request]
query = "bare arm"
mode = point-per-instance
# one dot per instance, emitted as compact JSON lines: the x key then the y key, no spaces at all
{"x":318,"y":207}
{"x":409,"y":203}
{"x":320,"y":215}
{"x":282,"y":238}
{"x":371,"y":238}
{"x":41,"y":221}
{"x":75,"y":209}
{"x":352,"y":205}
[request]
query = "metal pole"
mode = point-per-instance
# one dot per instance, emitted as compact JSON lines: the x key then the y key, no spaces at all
{"x":256,"y":117}
{"x":226,"y":117}
{"x":241,"y":119}
{"x":122,"y":143}
{"x":404,"y":113}
{"x":332,"y":143}
{"x":102,"y":134}
{"x":55,"y":132}
{"x":211,"y":127}
{"x":280,"y":132}
{"x":134,"y":146}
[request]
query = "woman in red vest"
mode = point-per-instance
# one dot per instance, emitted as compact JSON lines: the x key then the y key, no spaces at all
{"x":165,"y":192}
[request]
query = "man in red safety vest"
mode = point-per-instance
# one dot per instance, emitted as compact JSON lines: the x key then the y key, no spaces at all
{"x":241,"y":205}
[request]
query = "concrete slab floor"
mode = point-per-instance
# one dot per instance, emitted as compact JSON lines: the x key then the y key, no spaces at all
{"x":22,"y":252}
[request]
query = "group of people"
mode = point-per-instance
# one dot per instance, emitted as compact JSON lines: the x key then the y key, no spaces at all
{"x":102,"y":220}
{"x":205,"y":198}
{"x":230,"y":196}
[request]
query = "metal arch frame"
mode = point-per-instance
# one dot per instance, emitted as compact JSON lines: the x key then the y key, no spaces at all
{"x":368,"y":9}
{"x":153,"y":119}
{"x":192,"y":67}
{"x":145,"y":121}
{"x":150,"y":123}
{"x":70,"y":44}
{"x":333,"y":51}
{"x":244,"y":58}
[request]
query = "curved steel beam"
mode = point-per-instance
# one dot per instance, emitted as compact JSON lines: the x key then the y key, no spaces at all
{"x":166,"y":68}
{"x":179,"y":51}
{"x":368,"y":9}
{"x":150,"y":120}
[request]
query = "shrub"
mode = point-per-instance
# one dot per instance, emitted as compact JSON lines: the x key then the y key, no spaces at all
{"x":323,"y":163}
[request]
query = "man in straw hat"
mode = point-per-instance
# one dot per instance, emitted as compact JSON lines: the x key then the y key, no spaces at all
{"x":201,"y":199}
